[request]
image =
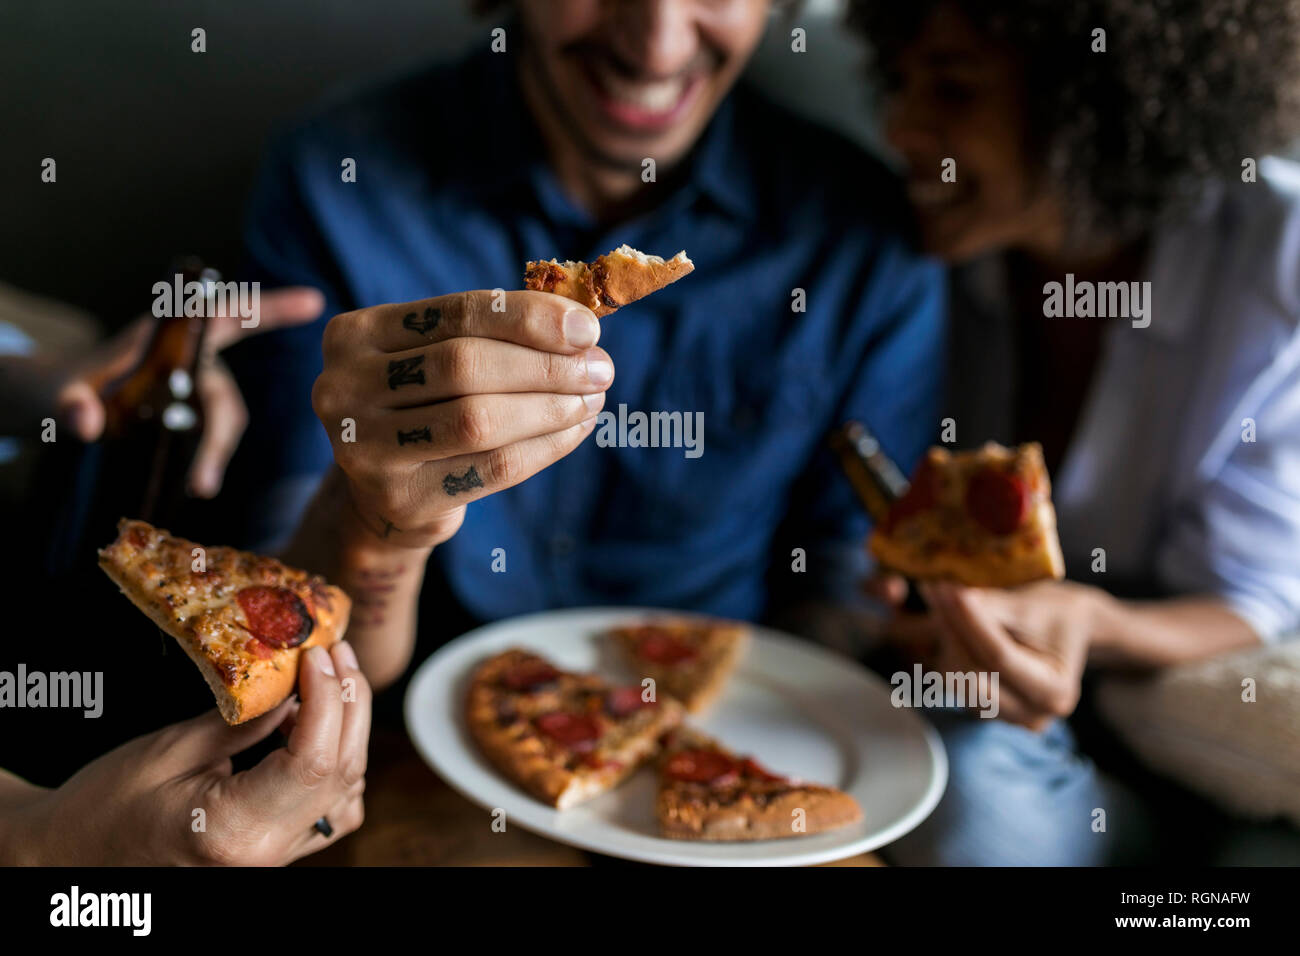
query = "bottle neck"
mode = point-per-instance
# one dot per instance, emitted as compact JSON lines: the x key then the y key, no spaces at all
{"x":876,"y":479}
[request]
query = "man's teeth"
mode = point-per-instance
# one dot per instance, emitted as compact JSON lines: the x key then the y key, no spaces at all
{"x":656,"y":96}
{"x":932,"y":193}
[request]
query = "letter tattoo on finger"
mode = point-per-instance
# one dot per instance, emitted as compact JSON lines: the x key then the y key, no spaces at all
{"x":455,"y":484}
{"x":424,"y":324}
{"x":405,"y":371}
{"x":414,"y":435}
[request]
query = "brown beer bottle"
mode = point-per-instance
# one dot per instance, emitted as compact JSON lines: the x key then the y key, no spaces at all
{"x":153,"y":413}
{"x":876,"y":478}
{"x":153,"y":422}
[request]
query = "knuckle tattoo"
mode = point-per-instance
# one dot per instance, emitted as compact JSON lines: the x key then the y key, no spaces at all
{"x":405,"y":371}
{"x":454,"y":484}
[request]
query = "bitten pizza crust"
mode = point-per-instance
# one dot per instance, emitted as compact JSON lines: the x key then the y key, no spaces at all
{"x":708,"y":793}
{"x":689,"y":659}
{"x":612,"y":281}
{"x":563,"y":737}
{"x":982,"y":518}
{"x":244,"y":620}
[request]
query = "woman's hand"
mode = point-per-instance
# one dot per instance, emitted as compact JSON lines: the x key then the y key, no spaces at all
{"x":1036,"y":638}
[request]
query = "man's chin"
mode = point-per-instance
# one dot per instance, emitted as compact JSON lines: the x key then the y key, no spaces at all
{"x":630,"y":157}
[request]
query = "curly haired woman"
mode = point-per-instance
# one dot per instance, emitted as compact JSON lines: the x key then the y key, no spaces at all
{"x":1052,"y":146}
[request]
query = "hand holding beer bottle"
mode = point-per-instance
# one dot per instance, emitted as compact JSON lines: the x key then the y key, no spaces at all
{"x":145,"y":421}
{"x":157,"y":364}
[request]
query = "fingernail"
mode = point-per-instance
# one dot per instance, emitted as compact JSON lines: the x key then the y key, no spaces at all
{"x":600,"y":372}
{"x":322,"y":660}
{"x":347,"y":655}
{"x":581,"y":330}
{"x":594,"y":402}
{"x":589,"y":424}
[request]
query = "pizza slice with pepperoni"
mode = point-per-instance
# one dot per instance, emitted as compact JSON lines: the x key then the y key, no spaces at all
{"x":242,"y":618}
{"x":982,"y":518}
{"x":612,"y":281}
{"x":562,"y":736}
{"x":689,"y":659}
{"x":706,"y":792}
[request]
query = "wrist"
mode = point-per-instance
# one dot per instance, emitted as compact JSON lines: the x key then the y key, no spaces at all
{"x":359,"y":541}
{"x":1103,"y":610}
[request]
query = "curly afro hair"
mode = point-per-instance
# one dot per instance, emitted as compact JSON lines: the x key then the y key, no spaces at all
{"x":1184,"y":92}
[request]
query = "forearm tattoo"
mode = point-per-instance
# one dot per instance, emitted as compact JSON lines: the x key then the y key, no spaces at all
{"x":371,"y":594}
{"x":455,"y":484}
{"x":406,"y":371}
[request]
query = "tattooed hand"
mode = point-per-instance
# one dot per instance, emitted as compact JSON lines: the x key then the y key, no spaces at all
{"x":450,"y":400}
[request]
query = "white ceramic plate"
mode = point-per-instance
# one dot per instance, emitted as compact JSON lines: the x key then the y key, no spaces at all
{"x":797,"y":708}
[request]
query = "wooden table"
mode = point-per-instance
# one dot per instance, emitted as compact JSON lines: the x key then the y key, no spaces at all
{"x":414,"y":819}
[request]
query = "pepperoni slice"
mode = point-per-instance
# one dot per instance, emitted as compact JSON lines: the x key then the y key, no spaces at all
{"x":578,"y":732}
{"x":258,"y":649}
{"x":276,"y":616}
{"x":661,"y":647}
{"x":529,"y":675}
{"x":702,"y":766}
{"x":998,"y":500}
{"x":622,"y":701}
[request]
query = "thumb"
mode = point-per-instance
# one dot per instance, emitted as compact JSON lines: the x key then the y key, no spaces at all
{"x":78,"y":406}
{"x":207,"y":739}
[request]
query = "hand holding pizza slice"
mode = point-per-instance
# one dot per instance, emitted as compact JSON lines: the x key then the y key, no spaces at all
{"x":245,"y":620}
{"x":982,"y":518}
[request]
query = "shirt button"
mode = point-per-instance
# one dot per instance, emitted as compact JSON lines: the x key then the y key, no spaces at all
{"x":562,"y":545}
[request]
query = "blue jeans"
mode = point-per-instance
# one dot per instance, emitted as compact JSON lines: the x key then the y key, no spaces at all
{"x":1019,"y":798}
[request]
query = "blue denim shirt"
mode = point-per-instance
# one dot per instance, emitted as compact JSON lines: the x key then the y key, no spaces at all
{"x":806,"y":307}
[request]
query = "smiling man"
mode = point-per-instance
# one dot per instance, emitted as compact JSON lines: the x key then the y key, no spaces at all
{"x":455,"y":422}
